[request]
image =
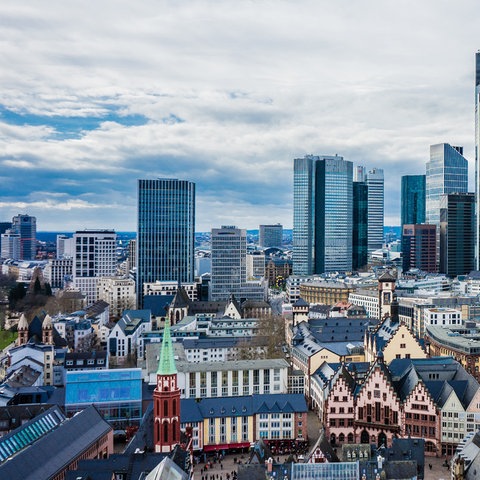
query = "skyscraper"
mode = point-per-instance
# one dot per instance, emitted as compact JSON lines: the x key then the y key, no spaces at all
{"x":165,"y":232}
{"x":95,"y":256}
{"x":229,"y":262}
{"x":270,"y":235}
{"x":477,"y":159}
{"x":360,"y":225}
{"x":457,"y":233}
{"x":447,"y":172}
{"x":419,"y":247}
{"x":413,"y":200}
{"x":323,"y":214}
{"x":26,"y":226}
{"x":375,"y":184}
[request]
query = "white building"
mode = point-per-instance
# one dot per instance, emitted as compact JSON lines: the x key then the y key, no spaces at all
{"x":170,"y":288}
{"x":95,"y":257}
{"x":56,"y":270}
{"x":444,"y":317}
{"x":255,"y":265}
{"x":65,"y":246}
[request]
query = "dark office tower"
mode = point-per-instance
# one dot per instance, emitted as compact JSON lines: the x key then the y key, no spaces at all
{"x":26,"y":226}
{"x":360,"y":226}
{"x":457,"y":234}
{"x":270,"y":235}
{"x":322,"y":214}
{"x":477,"y":158}
{"x":419,"y":247}
{"x":413,"y":199}
{"x":165,"y":232}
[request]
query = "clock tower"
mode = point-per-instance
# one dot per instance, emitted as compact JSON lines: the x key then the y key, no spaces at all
{"x":386,"y":289}
{"x":166,"y":398}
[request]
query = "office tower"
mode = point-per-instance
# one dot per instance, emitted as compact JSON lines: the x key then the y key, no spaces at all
{"x":359,"y":174}
{"x":375,"y":184}
{"x":477,"y":158}
{"x":26,"y":226}
{"x":270,"y":235}
{"x":360,"y":225}
{"x":10,"y":245}
{"x":419,"y":247}
{"x":447,"y":172}
{"x":165,"y":232}
{"x":95,"y":257}
{"x":322,"y":214}
{"x":457,"y":233}
{"x":229,"y":262}
{"x":413,"y":199}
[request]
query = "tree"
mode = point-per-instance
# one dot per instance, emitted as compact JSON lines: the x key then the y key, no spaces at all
{"x":17,"y":293}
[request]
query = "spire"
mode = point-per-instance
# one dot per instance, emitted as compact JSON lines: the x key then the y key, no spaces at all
{"x":166,"y":365}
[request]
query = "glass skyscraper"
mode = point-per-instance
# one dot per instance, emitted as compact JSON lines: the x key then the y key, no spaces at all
{"x":477,"y":158}
{"x":26,"y":227}
{"x":229,"y":262}
{"x":447,"y":172}
{"x":323,"y":214}
{"x":413,"y":200}
{"x":375,"y":184}
{"x":165,"y":232}
{"x":360,"y":225}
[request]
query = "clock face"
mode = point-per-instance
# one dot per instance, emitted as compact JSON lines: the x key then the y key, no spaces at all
{"x":386,"y":298}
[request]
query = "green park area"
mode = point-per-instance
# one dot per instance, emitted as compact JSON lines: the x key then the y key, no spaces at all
{"x":6,"y":338}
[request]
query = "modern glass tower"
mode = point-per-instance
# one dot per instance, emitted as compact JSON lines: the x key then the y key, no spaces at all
{"x":360,"y":225}
{"x":26,"y":227}
{"x":457,"y":233}
{"x":323,"y":214}
{"x":477,"y":159}
{"x":413,"y":200}
{"x":447,"y":172}
{"x":375,"y":184}
{"x":165,"y":232}
{"x":229,"y":262}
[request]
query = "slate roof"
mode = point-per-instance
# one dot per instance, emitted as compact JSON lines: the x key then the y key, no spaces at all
{"x":158,"y":304}
{"x":68,"y":440}
{"x":181,"y":299}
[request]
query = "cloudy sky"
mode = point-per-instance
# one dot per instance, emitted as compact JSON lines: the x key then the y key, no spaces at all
{"x":96,"y":94}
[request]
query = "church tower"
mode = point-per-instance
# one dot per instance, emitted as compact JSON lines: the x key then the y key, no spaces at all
{"x":47,"y":330}
{"x":22,"y":330}
{"x":166,"y":398}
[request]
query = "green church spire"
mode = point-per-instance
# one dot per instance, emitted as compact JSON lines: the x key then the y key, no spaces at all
{"x":166,"y":365}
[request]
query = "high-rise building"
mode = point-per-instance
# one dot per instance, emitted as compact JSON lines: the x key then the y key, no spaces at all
{"x":457,"y":233}
{"x":322,"y":214}
{"x":447,"y":172}
{"x":419,"y":247}
{"x":165,"y":232}
{"x":229,"y":262}
{"x":10,"y":245}
{"x":26,"y":226}
{"x":270,"y":235}
{"x":65,"y":246}
{"x":413,"y":200}
{"x":375,"y":183}
{"x":477,"y":158}
{"x":360,"y":225}
{"x":95,"y":257}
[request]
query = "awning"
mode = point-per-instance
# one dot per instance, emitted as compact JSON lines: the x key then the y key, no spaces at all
{"x":225,"y":446}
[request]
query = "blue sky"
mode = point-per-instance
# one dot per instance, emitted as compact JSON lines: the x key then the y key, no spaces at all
{"x":96,"y":95}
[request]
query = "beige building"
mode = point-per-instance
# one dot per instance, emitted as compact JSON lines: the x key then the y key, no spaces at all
{"x":325,"y":293}
{"x":118,"y":292}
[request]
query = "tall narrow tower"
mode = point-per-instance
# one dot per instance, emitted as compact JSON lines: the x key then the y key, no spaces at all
{"x":165,"y":232}
{"x":477,"y":158}
{"x":166,"y":398}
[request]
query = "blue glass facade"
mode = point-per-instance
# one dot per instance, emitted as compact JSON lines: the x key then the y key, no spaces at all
{"x":165,"y":232}
{"x":117,"y":394}
{"x":447,"y":172}
{"x":477,"y":158}
{"x":323,"y":215}
{"x":413,"y":199}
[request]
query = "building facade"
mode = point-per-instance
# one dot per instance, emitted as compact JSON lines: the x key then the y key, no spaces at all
{"x":323,"y":215}
{"x":413,"y":199}
{"x":457,"y":234}
{"x":26,"y":226}
{"x":229,"y":262}
{"x":375,"y":184}
{"x":419,"y":247}
{"x":165,"y":232}
{"x":95,"y":257}
{"x":118,"y":292}
{"x":360,"y":225}
{"x":270,"y":235}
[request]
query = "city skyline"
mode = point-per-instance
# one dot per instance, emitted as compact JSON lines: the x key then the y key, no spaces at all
{"x":94,"y":100}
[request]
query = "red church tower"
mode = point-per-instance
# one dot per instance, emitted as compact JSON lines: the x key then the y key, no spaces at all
{"x":166,"y":398}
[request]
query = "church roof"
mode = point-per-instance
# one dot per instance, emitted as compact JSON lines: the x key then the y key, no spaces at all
{"x":166,"y":365}
{"x":181,"y":299}
{"x":23,"y":323}
{"x":386,"y":277}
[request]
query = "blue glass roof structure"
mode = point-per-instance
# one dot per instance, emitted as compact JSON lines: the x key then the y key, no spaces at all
{"x":103,"y":386}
